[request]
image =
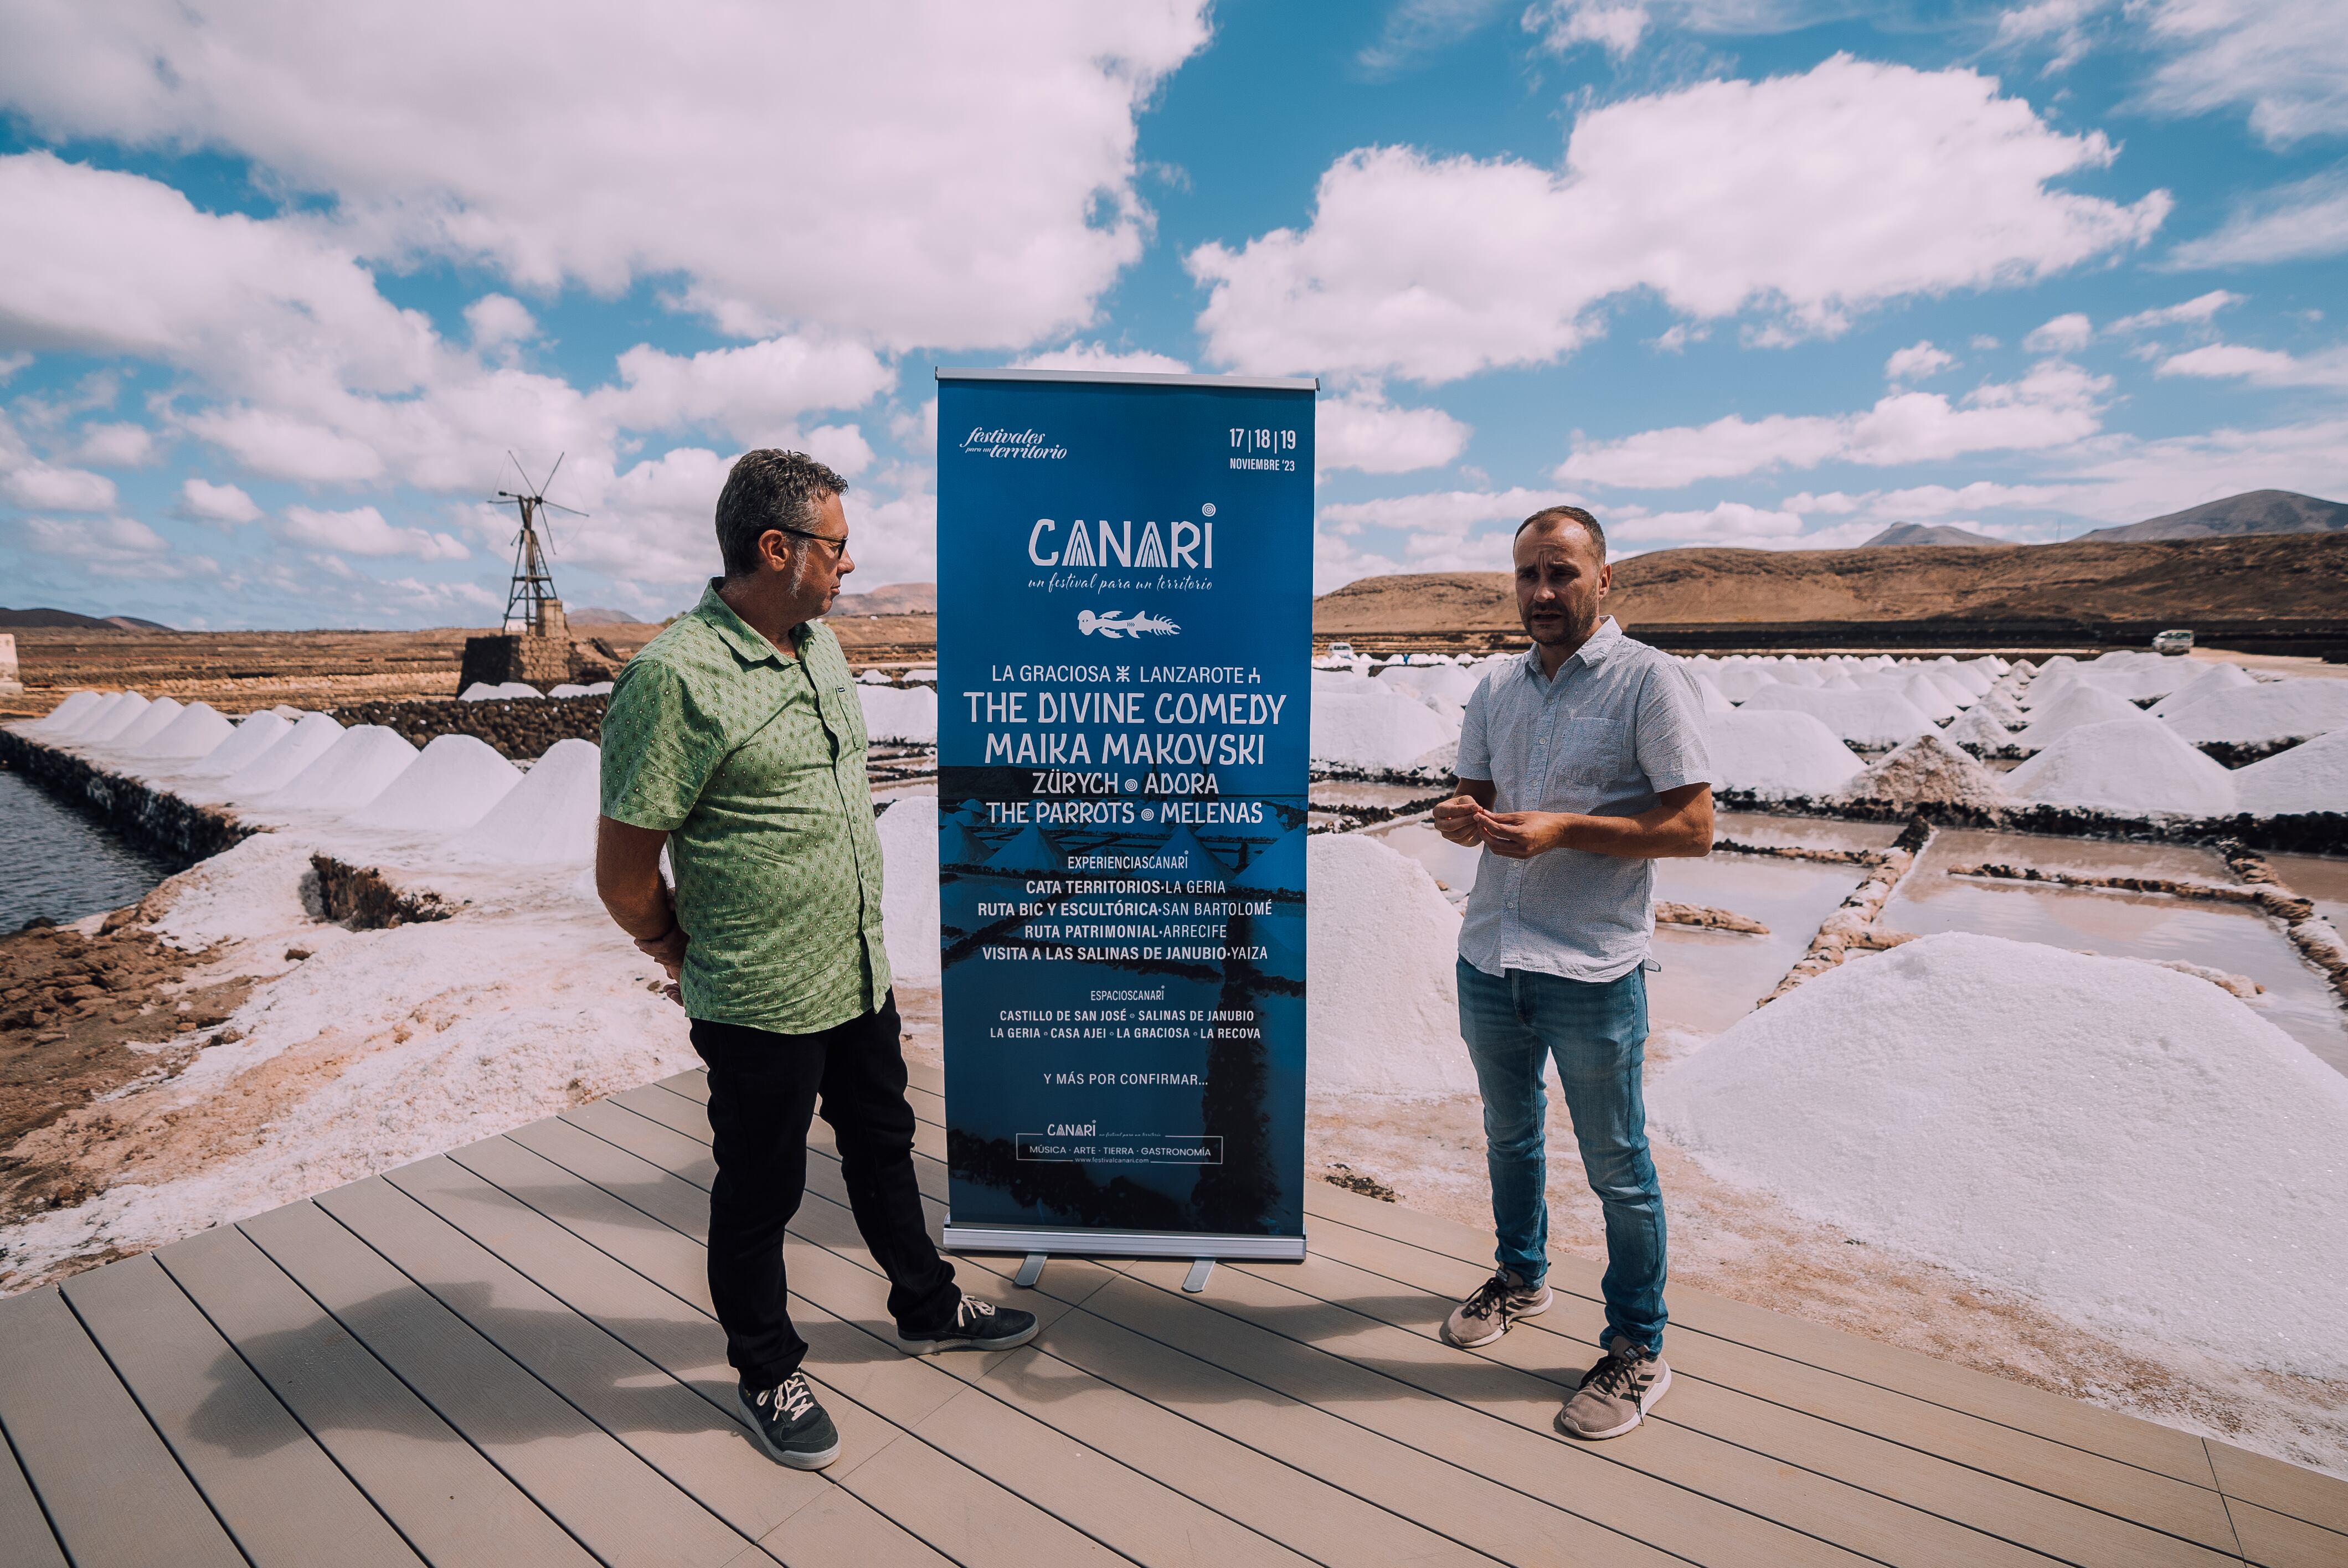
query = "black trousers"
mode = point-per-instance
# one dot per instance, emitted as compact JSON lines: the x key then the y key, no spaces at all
{"x":763,"y":1088}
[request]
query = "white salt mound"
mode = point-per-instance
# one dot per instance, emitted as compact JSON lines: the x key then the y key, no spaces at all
{"x":1715,"y":699}
{"x":2129,"y":767}
{"x":62,"y":720}
{"x":1778,"y":755}
{"x":2070,"y":709}
{"x":909,"y":886}
{"x":1381,"y":1011}
{"x":2130,"y":1145}
{"x":874,"y":677}
{"x":1977,"y":732}
{"x":1931,"y":699}
{"x":256,"y":734}
{"x":195,"y":733}
{"x":109,"y":718}
{"x":151,"y":722}
{"x":506,"y":692}
{"x":548,"y":816}
{"x":2311,"y":776}
{"x":359,"y":766}
{"x":2272,"y":710}
{"x":908,"y":716}
{"x":1381,"y":730}
{"x":454,"y":783}
{"x":1925,"y":771}
{"x":312,"y":738}
{"x":1863,"y":718}
{"x":2223,"y":676}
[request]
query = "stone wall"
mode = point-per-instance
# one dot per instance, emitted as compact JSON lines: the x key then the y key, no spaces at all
{"x":520,"y":729}
{"x":174,"y":828}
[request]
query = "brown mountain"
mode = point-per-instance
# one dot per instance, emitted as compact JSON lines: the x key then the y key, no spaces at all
{"x":2252,"y":512}
{"x":1926,"y":534}
{"x":890,"y":599}
{"x":66,"y":617}
{"x":2251,"y":577}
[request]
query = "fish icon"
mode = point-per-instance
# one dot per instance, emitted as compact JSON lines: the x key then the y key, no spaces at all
{"x":1125,"y":623}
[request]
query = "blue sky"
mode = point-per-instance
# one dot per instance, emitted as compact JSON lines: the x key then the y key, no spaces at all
{"x":278,"y":290}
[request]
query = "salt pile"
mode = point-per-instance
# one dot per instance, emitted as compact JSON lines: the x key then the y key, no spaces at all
{"x":1779,"y":755}
{"x":256,"y":734}
{"x":1381,"y":1011}
{"x":1377,"y":730}
{"x":909,"y":887}
{"x":2070,"y":709}
{"x":2311,"y":776}
{"x":61,"y":720}
{"x":1978,"y":732}
{"x":2003,"y":708}
{"x":151,"y":722}
{"x":2129,"y":767}
{"x":456,"y":783}
{"x":109,"y":718}
{"x":907,"y":716}
{"x":1931,"y":699}
{"x":1926,"y":771}
{"x":1443,"y":688}
{"x":548,"y":816}
{"x":195,"y":733}
{"x":1715,"y":699}
{"x":2275,"y":710}
{"x":356,"y":768}
{"x":2131,"y":1145}
{"x":2223,"y":676}
{"x":1862,"y":718}
{"x":510,"y":690}
{"x":312,"y":738}
{"x":874,"y":677}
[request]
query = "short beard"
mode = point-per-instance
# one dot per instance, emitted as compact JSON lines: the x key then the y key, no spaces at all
{"x":1573,"y":634}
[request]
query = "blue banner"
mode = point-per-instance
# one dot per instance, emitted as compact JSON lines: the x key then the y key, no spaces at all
{"x":1125,"y":623}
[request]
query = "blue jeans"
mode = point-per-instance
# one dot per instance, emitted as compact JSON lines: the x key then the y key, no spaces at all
{"x":1598,"y":1034}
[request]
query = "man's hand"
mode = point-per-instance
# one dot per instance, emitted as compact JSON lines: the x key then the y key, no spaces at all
{"x":1455,"y":819}
{"x":1521,"y":834}
{"x":628,"y":881}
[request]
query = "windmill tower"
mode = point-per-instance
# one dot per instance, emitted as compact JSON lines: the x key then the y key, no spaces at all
{"x":534,"y":644}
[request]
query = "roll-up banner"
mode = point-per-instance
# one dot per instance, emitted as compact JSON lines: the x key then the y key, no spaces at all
{"x":1124,"y":624}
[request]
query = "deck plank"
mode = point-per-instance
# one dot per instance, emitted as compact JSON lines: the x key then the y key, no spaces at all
{"x":455,"y":1508}
{"x":1555,"y":1344}
{"x":2305,"y":1494}
{"x":267,"y":1480}
{"x":843,"y":1360}
{"x":801,"y":1516}
{"x":2278,"y":1541}
{"x":112,"y":1491}
{"x":31,"y":1543}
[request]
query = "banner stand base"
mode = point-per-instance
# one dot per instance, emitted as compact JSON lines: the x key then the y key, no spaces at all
{"x":1036,"y":1244}
{"x":1030,"y":1271}
{"x":1200,"y":1272}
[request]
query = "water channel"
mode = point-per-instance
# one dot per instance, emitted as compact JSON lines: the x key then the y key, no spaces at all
{"x":60,"y":863}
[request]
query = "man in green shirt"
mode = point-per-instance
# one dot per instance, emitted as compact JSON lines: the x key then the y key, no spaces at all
{"x":735,"y":740}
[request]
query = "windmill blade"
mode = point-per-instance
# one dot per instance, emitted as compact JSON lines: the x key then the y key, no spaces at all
{"x":550,"y":473}
{"x":558,"y":507}
{"x":523,"y":471}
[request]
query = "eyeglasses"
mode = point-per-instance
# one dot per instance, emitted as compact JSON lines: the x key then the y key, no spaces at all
{"x":839,"y":546}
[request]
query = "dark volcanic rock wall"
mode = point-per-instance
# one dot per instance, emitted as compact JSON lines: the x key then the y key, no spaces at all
{"x":176,"y":828}
{"x":520,"y":729}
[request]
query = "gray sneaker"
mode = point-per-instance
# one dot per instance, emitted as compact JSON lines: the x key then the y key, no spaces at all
{"x":1616,"y":1394}
{"x":1497,"y":1302}
{"x":789,"y":1425}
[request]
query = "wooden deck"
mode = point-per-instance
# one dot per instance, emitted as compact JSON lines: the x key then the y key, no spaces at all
{"x":504,"y":1356}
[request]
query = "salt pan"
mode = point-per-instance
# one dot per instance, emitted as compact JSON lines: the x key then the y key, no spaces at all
{"x":2129,"y":767}
{"x":907,"y":716}
{"x":1382,"y":730}
{"x":256,"y":734}
{"x":356,"y":768}
{"x":549,"y":815}
{"x":117,"y":714}
{"x":456,"y":783}
{"x":909,"y":887}
{"x":62,"y":720}
{"x":198,"y":729}
{"x":2311,"y":776}
{"x":2130,"y":1145}
{"x":1382,"y":1012}
{"x":312,"y":738}
{"x":1928,"y":771}
{"x":1861,"y":717}
{"x":1978,"y":732}
{"x":2069,"y":711}
{"x":151,"y":722}
{"x":2223,"y":676}
{"x":2275,"y":710}
{"x":1778,"y":755}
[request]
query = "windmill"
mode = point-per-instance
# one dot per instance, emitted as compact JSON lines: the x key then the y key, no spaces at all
{"x":532,"y":608}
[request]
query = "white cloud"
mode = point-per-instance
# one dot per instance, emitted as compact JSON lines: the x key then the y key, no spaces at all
{"x":1917,"y":362}
{"x":918,"y":171}
{"x":113,"y":546}
{"x":751,"y":394}
{"x":2053,"y":406}
{"x":1450,"y":514}
{"x":2138,"y":479}
{"x":47,"y":487}
{"x":2260,"y":366}
{"x":1983,"y":342}
{"x":2195,"y":312}
{"x":1929,"y":501}
{"x":1564,"y":26}
{"x":1362,"y":430}
{"x":205,"y":502}
{"x":362,"y":531}
{"x":1100,"y":356}
{"x":1417,"y":27}
{"x":114,"y":445}
{"x":1729,"y":522}
{"x":2061,"y":335}
{"x":1440,"y":530}
{"x":1810,"y":197}
{"x":495,"y":318}
{"x":2060,"y":24}
{"x":2291,"y":223}
{"x":2286,"y":59}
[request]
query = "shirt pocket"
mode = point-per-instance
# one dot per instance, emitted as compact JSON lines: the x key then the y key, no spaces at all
{"x":1588,"y":764}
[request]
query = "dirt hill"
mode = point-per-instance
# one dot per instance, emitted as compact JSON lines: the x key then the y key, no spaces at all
{"x":2253,"y":578}
{"x":1926,"y":534}
{"x":2252,"y":512}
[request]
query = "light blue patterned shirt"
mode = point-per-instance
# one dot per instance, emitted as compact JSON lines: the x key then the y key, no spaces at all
{"x":1622,"y":724}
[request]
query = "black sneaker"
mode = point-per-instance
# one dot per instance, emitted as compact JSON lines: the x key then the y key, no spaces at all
{"x":977,"y":1326}
{"x":789,"y":1425}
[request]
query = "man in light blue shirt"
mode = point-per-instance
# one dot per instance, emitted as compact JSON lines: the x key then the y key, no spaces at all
{"x":1580,"y":764}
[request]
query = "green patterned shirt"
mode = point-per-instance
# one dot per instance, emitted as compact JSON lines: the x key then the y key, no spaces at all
{"x":753,"y":763}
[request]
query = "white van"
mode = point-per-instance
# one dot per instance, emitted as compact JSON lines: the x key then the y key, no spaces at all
{"x":2178,"y":641}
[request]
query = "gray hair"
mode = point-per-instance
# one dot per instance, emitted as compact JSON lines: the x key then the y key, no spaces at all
{"x":769,"y":488}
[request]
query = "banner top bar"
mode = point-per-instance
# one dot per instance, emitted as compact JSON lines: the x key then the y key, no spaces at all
{"x":1243,"y":383}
